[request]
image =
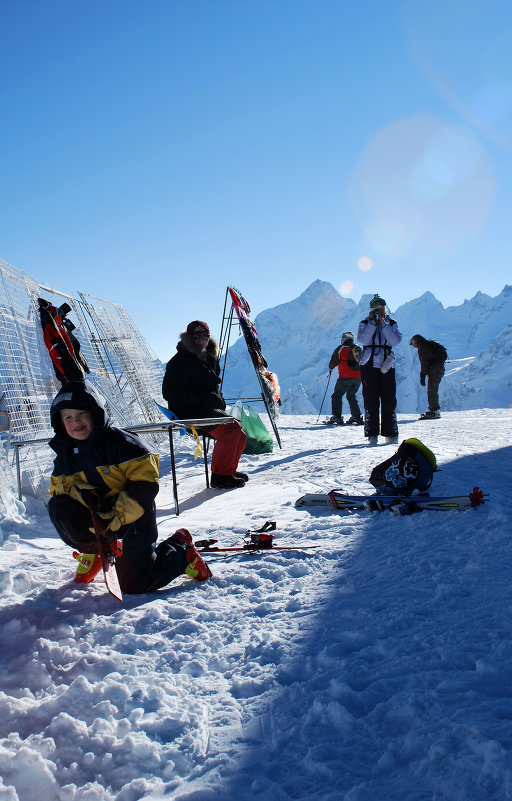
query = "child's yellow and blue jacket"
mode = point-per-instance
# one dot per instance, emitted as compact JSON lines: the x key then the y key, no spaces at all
{"x":112,"y":465}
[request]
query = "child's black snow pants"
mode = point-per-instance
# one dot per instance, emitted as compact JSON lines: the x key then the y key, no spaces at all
{"x":143,"y":566}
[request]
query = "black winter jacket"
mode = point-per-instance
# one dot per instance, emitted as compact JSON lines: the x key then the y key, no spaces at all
{"x":429,"y":360}
{"x":191,"y":381}
{"x":112,"y":460}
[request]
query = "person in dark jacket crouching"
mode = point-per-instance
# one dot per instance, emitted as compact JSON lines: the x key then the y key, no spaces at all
{"x":191,"y":389}
{"x":113,"y":471}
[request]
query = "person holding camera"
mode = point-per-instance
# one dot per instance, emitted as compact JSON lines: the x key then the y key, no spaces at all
{"x":378,"y":333}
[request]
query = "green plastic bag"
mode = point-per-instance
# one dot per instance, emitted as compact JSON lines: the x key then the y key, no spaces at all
{"x":258,"y":438}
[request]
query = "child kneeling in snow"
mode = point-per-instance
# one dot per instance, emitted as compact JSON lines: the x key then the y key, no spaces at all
{"x":111,"y":468}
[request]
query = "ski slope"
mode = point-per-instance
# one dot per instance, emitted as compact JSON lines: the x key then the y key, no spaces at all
{"x":376,"y":667}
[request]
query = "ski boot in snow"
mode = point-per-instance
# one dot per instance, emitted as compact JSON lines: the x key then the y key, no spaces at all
{"x":196,"y":566}
{"x":373,"y":440}
{"x":183,"y":536}
{"x":243,"y":476}
{"x":89,"y":565}
{"x":393,"y":440}
{"x":334,"y":421}
{"x":219,"y":481}
{"x":435,"y":415}
{"x":355,"y":421}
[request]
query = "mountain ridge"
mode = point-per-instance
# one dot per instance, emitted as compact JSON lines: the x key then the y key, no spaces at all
{"x":298,"y":337}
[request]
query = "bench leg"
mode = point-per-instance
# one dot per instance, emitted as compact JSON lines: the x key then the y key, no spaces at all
{"x":205,"y":455}
{"x":173,"y":468}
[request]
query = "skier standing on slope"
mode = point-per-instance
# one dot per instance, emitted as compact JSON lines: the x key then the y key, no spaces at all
{"x":378,"y":333}
{"x":191,"y":389}
{"x":432,"y":356}
{"x":111,"y":469}
{"x":346,"y":359}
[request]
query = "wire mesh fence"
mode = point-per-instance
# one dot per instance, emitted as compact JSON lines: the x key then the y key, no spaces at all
{"x":122,"y":367}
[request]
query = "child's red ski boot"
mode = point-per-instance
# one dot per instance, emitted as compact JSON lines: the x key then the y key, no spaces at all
{"x":196,"y":566}
{"x":89,"y":565}
{"x":183,"y":535}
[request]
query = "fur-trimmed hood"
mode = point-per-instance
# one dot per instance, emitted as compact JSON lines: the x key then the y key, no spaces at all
{"x":192,"y":378}
{"x":212,"y":349}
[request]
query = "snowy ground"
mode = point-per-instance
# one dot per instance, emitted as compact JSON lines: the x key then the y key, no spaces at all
{"x":377,"y":667}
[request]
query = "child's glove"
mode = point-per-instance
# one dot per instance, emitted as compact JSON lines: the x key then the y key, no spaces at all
{"x":125,"y":510}
{"x":74,"y":487}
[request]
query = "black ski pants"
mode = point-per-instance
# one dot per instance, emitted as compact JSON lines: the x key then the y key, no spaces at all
{"x":348,"y":387}
{"x":143,"y":566}
{"x":434,"y":379}
{"x":379,"y":392}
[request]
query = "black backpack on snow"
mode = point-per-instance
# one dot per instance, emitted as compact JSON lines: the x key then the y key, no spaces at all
{"x":411,"y":468}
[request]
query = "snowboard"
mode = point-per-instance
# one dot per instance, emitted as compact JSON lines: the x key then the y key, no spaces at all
{"x":400,"y":505}
{"x":107,"y":555}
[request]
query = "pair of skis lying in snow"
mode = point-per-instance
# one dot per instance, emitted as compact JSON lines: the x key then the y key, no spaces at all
{"x":399,"y":505}
{"x":261,"y":540}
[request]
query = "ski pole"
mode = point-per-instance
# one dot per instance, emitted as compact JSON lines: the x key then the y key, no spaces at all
{"x":325,"y":393}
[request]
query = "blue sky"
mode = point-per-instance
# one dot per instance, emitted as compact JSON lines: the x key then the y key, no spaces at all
{"x":153,"y":152}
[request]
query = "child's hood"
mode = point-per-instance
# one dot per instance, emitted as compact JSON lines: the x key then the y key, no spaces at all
{"x":78,"y":395}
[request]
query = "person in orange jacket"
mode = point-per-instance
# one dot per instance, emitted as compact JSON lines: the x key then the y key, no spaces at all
{"x":346,"y":359}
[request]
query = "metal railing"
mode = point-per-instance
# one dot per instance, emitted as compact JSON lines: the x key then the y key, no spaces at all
{"x":143,"y":428}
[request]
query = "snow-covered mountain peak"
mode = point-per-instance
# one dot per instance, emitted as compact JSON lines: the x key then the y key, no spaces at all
{"x":427,"y":299}
{"x":319,"y":305}
{"x":298,"y":337}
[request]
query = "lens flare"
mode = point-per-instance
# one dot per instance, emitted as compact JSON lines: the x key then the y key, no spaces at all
{"x":470,"y":64}
{"x":365,"y":264}
{"x":346,"y":287}
{"x":422,"y":188}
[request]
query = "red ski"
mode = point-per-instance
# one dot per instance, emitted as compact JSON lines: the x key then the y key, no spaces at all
{"x":108,"y":553}
{"x":254,"y":542}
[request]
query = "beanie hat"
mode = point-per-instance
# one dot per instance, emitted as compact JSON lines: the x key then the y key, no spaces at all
{"x":195,"y":325}
{"x":348,"y":335}
{"x":78,"y":394}
{"x":377,"y":301}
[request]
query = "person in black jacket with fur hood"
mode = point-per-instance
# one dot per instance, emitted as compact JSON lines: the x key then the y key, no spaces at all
{"x":191,"y":389}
